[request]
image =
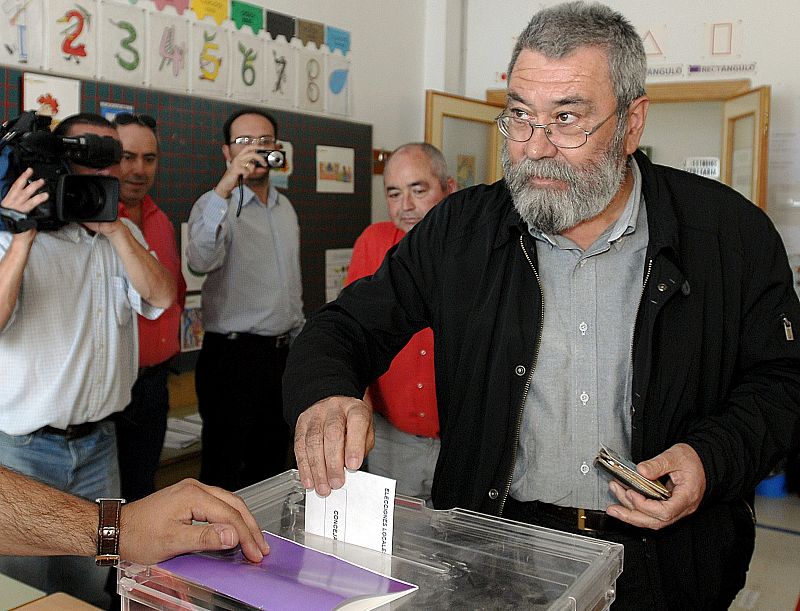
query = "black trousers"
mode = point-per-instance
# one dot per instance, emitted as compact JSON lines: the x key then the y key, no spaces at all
{"x":245,"y":437}
{"x":141,"y":427}
{"x":657,"y":578}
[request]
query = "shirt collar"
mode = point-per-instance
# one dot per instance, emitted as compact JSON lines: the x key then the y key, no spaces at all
{"x":625,"y":224}
{"x":249,"y":196}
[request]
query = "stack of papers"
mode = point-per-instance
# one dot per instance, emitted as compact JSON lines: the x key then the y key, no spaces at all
{"x":183,"y":432}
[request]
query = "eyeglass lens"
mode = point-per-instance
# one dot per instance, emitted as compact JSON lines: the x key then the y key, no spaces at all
{"x":261,"y":140}
{"x":559,"y":134}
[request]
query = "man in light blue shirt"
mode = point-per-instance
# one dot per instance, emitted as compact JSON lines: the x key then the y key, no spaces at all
{"x":245,"y":236}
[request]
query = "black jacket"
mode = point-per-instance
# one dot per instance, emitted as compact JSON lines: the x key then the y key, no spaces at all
{"x":712,"y":364}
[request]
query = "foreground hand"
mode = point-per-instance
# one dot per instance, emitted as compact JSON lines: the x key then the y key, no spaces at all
{"x":160,"y":526}
{"x":687,"y":484}
{"x":107,"y":228}
{"x":330,"y":435}
{"x":247,"y":164}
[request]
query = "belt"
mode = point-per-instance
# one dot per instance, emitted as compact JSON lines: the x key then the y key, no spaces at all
{"x":276,"y":341}
{"x":589,"y":521}
{"x":73,"y":431}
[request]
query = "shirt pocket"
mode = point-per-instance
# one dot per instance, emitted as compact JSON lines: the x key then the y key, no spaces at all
{"x":119,"y":301}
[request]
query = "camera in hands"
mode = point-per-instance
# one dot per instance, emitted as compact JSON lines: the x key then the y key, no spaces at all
{"x":272,"y":158}
{"x":27,"y":142}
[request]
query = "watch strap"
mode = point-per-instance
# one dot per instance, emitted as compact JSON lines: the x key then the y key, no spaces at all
{"x":108,"y":531}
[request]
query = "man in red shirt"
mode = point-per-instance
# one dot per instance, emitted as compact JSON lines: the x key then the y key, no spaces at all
{"x":143,"y":424}
{"x":406,"y":420}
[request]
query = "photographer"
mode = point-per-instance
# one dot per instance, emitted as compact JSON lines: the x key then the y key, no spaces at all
{"x":245,"y":235}
{"x":68,"y":347}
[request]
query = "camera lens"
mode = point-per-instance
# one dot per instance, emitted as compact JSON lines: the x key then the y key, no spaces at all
{"x":83,"y":202}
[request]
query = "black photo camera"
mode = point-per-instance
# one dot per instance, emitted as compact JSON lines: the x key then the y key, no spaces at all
{"x":272,"y":158}
{"x":27,"y":142}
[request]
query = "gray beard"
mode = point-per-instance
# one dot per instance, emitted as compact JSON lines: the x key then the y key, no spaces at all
{"x":590,"y":187}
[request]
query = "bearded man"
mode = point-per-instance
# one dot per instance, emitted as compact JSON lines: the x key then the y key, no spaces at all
{"x":591,"y":298}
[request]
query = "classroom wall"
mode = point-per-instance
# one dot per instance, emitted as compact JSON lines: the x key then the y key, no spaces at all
{"x":387,"y":66}
{"x":765,"y":34}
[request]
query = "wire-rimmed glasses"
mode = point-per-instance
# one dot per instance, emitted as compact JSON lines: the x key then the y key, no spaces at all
{"x":560,"y":135}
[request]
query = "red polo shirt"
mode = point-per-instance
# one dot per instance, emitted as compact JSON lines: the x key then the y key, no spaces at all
{"x":158,"y":339}
{"x":406,"y":393}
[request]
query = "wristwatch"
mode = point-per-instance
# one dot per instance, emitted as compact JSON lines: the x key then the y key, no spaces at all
{"x":108,"y":532}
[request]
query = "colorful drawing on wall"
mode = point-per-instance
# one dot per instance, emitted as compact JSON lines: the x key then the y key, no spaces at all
{"x":20,"y":41}
{"x":465,"y":171}
{"x":335,"y":169}
{"x":281,"y":63}
{"x":212,"y":60}
{"x":279,"y":177}
{"x":250,"y":69}
{"x":311,"y":79}
{"x":72,"y":37}
{"x":192,"y":324}
{"x":122,"y":38}
{"x":337,"y":262}
{"x":338,"y":96}
{"x":51,"y":95}
{"x":167,"y":48}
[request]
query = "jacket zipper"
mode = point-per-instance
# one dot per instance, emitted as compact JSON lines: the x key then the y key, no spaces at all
{"x":521,"y":408}
{"x":639,"y":307}
{"x":787,"y":328}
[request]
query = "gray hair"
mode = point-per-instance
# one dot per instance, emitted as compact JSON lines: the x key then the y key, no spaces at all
{"x":559,"y":30}
{"x":434,"y":155}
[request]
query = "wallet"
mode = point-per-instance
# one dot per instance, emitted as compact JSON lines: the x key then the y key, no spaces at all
{"x":625,"y":471}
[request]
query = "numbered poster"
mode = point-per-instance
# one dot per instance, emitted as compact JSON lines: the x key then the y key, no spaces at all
{"x":338,"y":85}
{"x":311,"y":81}
{"x":122,"y":38}
{"x":72,"y":37}
{"x":211,"y":61}
{"x":53,"y":96}
{"x":281,"y":66}
{"x":21,"y":33}
{"x":168,"y":52}
{"x":248,"y":72}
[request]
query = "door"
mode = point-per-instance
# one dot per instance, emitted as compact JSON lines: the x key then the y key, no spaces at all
{"x":745,"y":131}
{"x":465,"y":131}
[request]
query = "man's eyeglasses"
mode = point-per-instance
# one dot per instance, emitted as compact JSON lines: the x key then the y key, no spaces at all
{"x":560,"y":135}
{"x":126,"y":118}
{"x":260,"y":140}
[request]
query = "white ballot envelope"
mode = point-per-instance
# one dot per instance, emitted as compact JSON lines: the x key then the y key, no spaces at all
{"x":361,"y":512}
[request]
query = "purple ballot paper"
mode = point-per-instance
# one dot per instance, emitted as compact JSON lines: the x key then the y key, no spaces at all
{"x":292,"y":576}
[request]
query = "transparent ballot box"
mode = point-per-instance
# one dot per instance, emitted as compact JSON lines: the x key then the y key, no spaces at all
{"x":459,"y":559}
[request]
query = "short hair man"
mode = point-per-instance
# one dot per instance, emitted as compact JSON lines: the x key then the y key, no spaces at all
{"x":68,"y":348}
{"x":406,"y":420}
{"x":590,"y":298}
{"x":142,"y":425}
{"x":245,"y":236}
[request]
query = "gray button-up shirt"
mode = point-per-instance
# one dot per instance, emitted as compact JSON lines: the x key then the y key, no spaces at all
{"x":581,"y":389}
{"x":253,"y":263}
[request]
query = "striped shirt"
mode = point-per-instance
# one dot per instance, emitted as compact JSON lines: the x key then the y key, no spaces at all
{"x":253,"y":263}
{"x":69,"y":352}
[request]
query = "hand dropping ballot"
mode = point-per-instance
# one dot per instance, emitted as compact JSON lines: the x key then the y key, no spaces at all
{"x":361,"y":512}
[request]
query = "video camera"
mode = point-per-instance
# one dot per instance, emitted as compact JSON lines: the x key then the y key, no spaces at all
{"x":27,"y":142}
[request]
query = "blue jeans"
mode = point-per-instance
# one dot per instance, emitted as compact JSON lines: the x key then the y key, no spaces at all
{"x":85,"y":467}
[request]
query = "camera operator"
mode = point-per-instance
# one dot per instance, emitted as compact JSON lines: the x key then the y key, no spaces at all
{"x":68,"y":348}
{"x":245,"y":235}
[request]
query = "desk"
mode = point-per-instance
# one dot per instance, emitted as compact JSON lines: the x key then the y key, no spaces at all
{"x":177,"y":464}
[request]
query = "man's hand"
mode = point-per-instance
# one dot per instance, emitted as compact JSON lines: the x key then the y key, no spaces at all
{"x":24,"y":197}
{"x":247,"y":164}
{"x":687,"y":484}
{"x":160,"y":526}
{"x":107,"y":228}
{"x":330,"y":435}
